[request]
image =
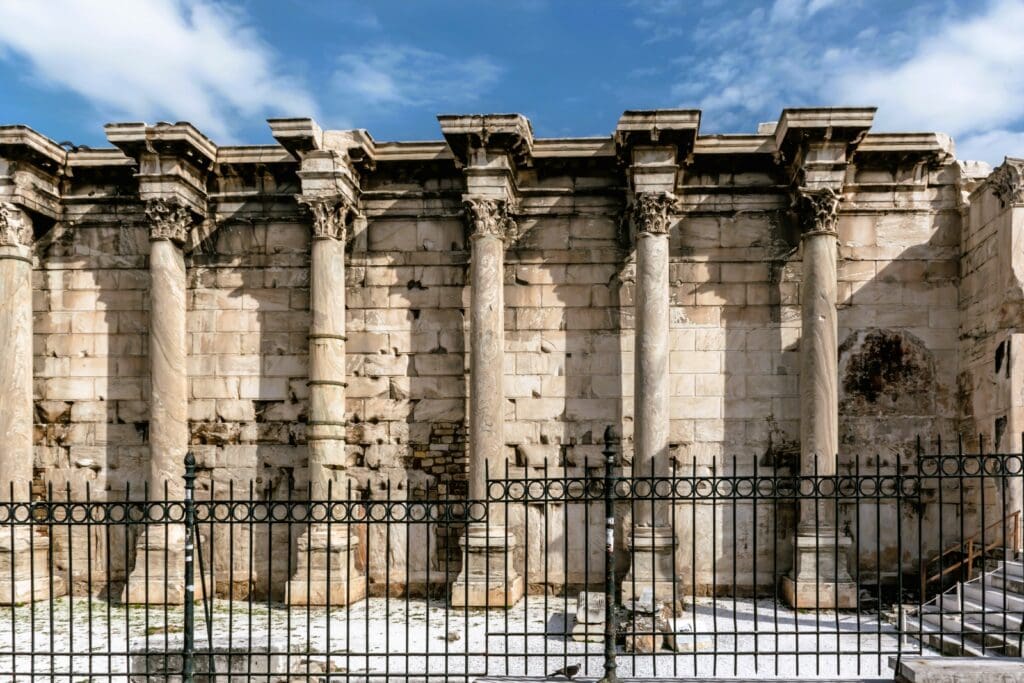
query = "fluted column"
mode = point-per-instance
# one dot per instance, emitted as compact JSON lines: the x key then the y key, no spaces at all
{"x":820,"y":577}
{"x":20,"y":552}
{"x":489,"y":577}
{"x":158,"y":574}
{"x":326,"y":572}
{"x":16,"y":360}
{"x":651,"y":540}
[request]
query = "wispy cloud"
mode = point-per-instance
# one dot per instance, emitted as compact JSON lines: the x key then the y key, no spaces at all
{"x":404,"y":75}
{"x":198,"y":60}
{"x":929,"y":66}
{"x":966,"y":77}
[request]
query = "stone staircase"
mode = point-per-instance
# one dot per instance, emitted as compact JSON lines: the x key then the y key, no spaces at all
{"x":978,"y":618}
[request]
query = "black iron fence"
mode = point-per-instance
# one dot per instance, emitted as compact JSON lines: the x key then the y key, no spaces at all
{"x":730,"y":570}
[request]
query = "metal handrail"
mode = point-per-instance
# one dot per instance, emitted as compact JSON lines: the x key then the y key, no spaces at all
{"x":971,"y":552}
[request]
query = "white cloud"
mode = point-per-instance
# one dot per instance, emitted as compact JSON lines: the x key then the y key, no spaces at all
{"x":952,"y":68}
{"x":963,"y":78}
{"x":195,"y":60}
{"x":402,"y":75}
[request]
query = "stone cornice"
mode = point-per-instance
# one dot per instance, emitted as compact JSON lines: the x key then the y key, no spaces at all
{"x":332,"y":215}
{"x":490,"y":217}
{"x":651,"y":212}
{"x":512,"y":134}
{"x":819,"y":210}
{"x":169,"y":220}
{"x":15,"y":229}
{"x":1007,"y":182}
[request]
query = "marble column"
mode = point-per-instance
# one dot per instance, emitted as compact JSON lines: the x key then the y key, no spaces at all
{"x":326,"y":571}
{"x":158,"y":573}
{"x":651,"y":541}
{"x":489,"y":577}
{"x":820,"y":578}
{"x":20,"y":550}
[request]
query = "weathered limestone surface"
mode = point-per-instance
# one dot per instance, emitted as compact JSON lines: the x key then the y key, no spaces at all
{"x":490,"y":575}
{"x":926,"y":293}
{"x":16,"y":361}
{"x":158,"y":574}
{"x":326,"y":569}
{"x":23,"y":554}
{"x":655,"y":141}
{"x":820,"y":578}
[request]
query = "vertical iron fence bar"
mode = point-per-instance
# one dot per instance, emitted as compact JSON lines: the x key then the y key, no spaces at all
{"x":610,"y":675}
{"x":188,"y":649}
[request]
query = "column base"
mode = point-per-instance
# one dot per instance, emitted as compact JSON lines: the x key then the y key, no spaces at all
{"x":489,"y":577}
{"x":820,"y":579}
{"x":158,"y":577}
{"x":326,"y":574}
{"x":24,"y":568}
{"x":819,"y":595}
{"x":650,"y":578}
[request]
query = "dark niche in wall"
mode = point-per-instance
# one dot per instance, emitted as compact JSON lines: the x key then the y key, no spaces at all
{"x":886,"y":372}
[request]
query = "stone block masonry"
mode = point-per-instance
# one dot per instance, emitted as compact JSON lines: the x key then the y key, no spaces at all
{"x":332,"y":313}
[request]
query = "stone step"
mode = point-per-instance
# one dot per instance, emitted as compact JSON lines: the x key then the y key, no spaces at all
{"x":992,"y":597}
{"x":1008,"y":583}
{"x":945,"y":669}
{"x":992,"y":611}
{"x":948,"y":640}
{"x":1012,"y":568}
{"x":981,"y":628}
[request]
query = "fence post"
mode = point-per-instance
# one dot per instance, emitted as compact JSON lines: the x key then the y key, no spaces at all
{"x":188,"y":649}
{"x":610,"y":482}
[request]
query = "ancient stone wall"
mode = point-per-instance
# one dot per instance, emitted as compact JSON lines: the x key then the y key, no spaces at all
{"x":920,"y":323}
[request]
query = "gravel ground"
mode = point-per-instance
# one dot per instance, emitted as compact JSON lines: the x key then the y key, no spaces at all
{"x":92,"y":639}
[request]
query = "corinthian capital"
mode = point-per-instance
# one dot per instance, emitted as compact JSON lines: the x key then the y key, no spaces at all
{"x":168,"y":220}
{"x":331,"y":215}
{"x":819,"y":210}
{"x":490,"y":217}
{"x":1008,"y":182}
{"x":15,"y":229}
{"x":651,"y":212}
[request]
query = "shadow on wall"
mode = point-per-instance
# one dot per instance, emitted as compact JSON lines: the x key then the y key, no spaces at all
{"x":92,"y":381}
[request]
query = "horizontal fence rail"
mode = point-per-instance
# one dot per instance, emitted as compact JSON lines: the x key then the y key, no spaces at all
{"x":592,"y":572}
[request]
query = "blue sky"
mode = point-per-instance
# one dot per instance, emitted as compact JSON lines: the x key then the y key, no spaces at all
{"x":572,"y":66}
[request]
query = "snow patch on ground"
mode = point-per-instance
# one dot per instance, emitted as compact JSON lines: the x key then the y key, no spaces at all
{"x":84,"y":638}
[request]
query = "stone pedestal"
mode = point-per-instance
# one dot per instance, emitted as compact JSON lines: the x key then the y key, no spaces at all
{"x":590,"y":618}
{"x":651,"y":541}
{"x":24,"y":568}
{"x":489,"y":577}
{"x":326,"y":572}
{"x":650,"y":574}
{"x":821,"y":579}
{"x":160,"y":552}
{"x":158,"y":575}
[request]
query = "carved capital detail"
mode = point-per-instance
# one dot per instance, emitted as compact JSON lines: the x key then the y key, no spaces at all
{"x":819,"y":210}
{"x":332,"y":216}
{"x":651,"y":212}
{"x":1008,"y":182}
{"x":490,"y":218}
{"x":168,"y":219}
{"x":15,"y":229}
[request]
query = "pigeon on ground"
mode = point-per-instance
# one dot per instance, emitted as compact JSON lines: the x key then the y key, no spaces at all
{"x":568,"y":671}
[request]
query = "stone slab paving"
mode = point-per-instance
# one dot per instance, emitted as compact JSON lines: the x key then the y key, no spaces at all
{"x":389,"y":637}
